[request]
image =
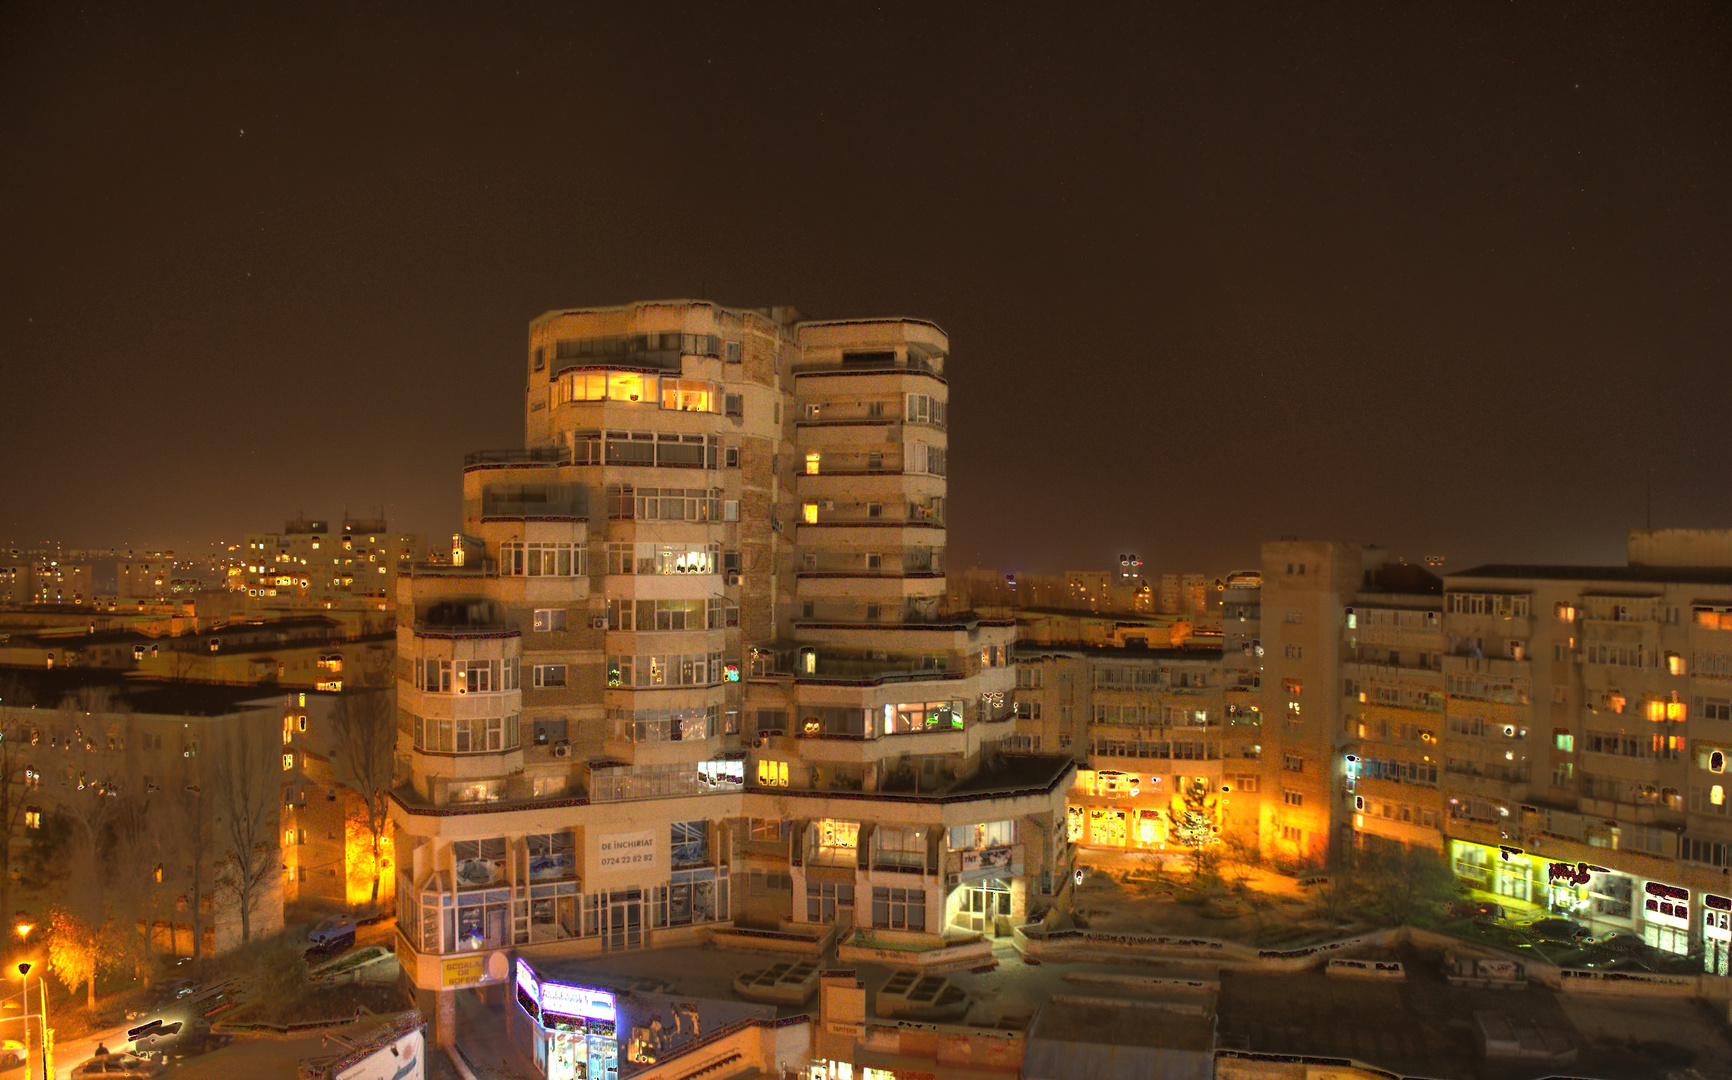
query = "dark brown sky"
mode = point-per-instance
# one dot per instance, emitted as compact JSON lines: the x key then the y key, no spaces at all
{"x":1450,"y":277}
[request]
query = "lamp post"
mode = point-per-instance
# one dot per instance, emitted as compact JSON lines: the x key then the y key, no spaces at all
{"x":24,"y":974}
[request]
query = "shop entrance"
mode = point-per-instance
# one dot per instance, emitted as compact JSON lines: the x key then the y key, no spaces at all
{"x":982,"y":902}
{"x":625,"y":919}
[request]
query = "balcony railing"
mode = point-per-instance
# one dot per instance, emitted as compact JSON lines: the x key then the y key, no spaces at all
{"x":538,"y":455}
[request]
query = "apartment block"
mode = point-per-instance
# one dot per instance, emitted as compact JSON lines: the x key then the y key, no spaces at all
{"x":179,"y":776}
{"x":1171,"y":752}
{"x":311,"y":565}
{"x":1588,"y":729}
{"x":1393,"y":706}
{"x":690,"y":665}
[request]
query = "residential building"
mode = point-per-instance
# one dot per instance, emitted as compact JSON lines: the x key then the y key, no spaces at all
{"x":180,"y":776}
{"x":1393,"y":706}
{"x":1589,"y":720}
{"x":311,"y":565}
{"x":690,"y":664}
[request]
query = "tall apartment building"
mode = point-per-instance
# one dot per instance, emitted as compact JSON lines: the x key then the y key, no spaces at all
{"x":1589,"y":722}
{"x":311,"y":565}
{"x":691,"y":663}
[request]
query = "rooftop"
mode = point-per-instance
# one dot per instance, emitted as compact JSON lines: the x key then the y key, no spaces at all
{"x":46,"y":689}
{"x":1667,"y":575}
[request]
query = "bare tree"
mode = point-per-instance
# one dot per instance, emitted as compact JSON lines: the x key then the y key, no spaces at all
{"x":364,"y":729}
{"x":188,"y":810}
{"x":246,"y":784}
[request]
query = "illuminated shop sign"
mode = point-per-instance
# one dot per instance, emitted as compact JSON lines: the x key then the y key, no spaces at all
{"x":1573,"y":873}
{"x":1718,"y":903}
{"x":577,"y":1001}
{"x":1666,"y":903}
{"x":528,"y":990}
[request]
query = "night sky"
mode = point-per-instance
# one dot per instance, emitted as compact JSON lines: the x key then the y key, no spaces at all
{"x":1448,"y":277}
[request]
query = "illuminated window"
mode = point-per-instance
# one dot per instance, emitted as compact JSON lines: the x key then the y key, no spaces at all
{"x":288,"y":762}
{"x":1674,"y":664}
{"x":33,"y":817}
{"x":811,"y":464}
{"x":1074,"y":823}
{"x":810,"y":513}
{"x":773,"y":773}
{"x":1565,"y":741}
{"x":1717,"y":795}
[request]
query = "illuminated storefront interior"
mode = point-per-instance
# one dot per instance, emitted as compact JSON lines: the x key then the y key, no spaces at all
{"x":575,"y":1028}
{"x":1666,"y":917}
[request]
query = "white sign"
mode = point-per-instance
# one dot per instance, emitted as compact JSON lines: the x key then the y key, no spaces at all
{"x":635,"y":851}
{"x":401,"y":1059}
{"x":576,"y":1001}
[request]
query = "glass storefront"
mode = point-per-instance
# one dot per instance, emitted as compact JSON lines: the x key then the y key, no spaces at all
{"x":1716,"y":934}
{"x":1106,"y":826}
{"x":1666,"y":917}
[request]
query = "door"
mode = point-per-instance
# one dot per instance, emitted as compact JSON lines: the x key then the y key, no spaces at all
{"x":625,"y":920}
{"x":1716,"y":942}
{"x":496,"y":935}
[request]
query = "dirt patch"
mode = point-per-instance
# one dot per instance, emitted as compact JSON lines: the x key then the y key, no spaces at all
{"x":338,"y":1002}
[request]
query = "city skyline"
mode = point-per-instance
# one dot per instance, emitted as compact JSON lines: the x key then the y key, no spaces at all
{"x":1375,"y":279}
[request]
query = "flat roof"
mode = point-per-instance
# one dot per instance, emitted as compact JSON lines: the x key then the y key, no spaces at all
{"x":1670,"y":575}
{"x":46,"y":688}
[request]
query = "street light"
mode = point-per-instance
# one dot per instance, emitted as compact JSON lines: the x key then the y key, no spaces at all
{"x":24,"y":974}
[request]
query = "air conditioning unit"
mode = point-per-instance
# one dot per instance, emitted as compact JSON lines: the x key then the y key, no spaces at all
{"x":733,"y":579}
{"x":599,"y":622}
{"x":829,"y":504}
{"x":561,"y":750}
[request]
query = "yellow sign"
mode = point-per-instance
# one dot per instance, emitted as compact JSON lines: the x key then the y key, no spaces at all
{"x":465,"y":970}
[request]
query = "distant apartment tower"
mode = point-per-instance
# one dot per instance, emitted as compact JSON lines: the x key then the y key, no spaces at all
{"x":311,"y":565}
{"x":691,"y":663}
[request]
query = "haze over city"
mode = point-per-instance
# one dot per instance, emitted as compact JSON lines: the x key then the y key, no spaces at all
{"x":1418,"y":276}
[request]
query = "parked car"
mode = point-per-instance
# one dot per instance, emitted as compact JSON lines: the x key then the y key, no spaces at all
{"x":1567,"y":931}
{"x":11,"y":1053}
{"x":119,"y":1065}
{"x":333,"y":935}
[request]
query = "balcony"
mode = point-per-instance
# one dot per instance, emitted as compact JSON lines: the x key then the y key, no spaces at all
{"x":866,"y":672}
{"x":531,"y":456}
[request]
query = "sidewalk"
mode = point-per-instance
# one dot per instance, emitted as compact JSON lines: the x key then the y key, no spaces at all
{"x":485,"y":1042}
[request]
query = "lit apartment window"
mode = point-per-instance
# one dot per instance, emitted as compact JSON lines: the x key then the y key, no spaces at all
{"x":812,"y":464}
{"x":810,"y":513}
{"x":288,"y":762}
{"x":549,"y":675}
{"x":773,"y":773}
{"x":32,"y":817}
